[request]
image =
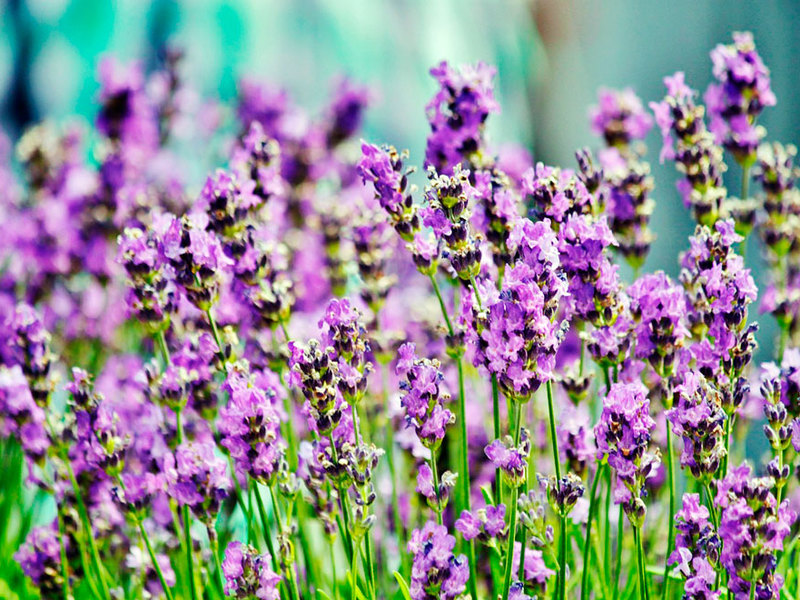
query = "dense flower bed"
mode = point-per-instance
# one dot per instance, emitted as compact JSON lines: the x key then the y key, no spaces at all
{"x":310,"y":379}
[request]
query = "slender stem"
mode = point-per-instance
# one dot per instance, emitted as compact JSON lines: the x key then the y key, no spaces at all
{"x":154,"y":559}
{"x":333,"y":569}
{"x":288,"y":569}
{"x":215,"y":332}
{"x":512,"y":523}
{"x":63,"y":556}
{"x":607,"y":530}
{"x":512,"y":530}
{"x":214,"y":543}
{"x":187,"y":532}
{"x":435,"y":471}
{"x":752,"y":590}
{"x":562,"y":559}
{"x":498,"y":481}
{"x":637,"y":536}
{"x":671,"y":515}
{"x":553,"y":436}
{"x":618,"y":557}
{"x":398,"y":523}
{"x":725,"y":459}
{"x":354,"y":571}
{"x":587,"y":545}
{"x":265,"y":526}
{"x":711,"y":508}
{"x":88,"y":531}
{"x":464,"y":478}
{"x":442,"y":305}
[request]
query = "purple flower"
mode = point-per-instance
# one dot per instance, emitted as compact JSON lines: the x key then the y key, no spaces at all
{"x":436,"y":574}
{"x":697,"y":548}
{"x":620,"y":117}
{"x":742,"y":92}
{"x":514,"y":335}
{"x":594,"y":285}
{"x":488,"y":524}
{"x":691,"y":145}
{"x":659,"y":307}
{"x":383,"y":167}
{"x":752,"y":528}
{"x":22,"y":418}
{"x":345,"y":112}
{"x":698,"y":419}
{"x":197,"y":478}
{"x":447,"y":213}
{"x":457,"y":113}
{"x":555,"y":193}
{"x":535,"y":571}
{"x":510,"y":458}
{"x":250,"y":427}
{"x":423,"y":399}
{"x":40,"y":559}
{"x":623,"y":435}
{"x":248,"y":573}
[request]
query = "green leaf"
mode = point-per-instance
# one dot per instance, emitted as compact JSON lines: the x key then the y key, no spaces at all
{"x":403,"y":585}
{"x":323,"y":595}
{"x":487,"y":495}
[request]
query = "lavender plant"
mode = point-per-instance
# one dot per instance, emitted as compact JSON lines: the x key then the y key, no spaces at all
{"x":304,"y":378}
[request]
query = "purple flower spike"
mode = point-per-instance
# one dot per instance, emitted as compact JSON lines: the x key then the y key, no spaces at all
{"x":620,"y":117}
{"x":623,"y":435}
{"x":436,"y":573}
{"x":198,"y":478}
{"x":742,"y":92}
{"x":457,"y":114}
{"x":248,"y":574}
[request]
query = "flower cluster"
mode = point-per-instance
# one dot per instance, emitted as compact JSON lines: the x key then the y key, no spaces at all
{"x":697,"y":417}
{"x":742,"y":92}
{"x":623,"y":435}
{"x":457,"y":113}
{"x":436,"y":573}
{"x":691,"y":145}
{"x":752,"y":527}
{"x":659,"y":309}
{"x":697,"y":548}
{"x":248,"y":573}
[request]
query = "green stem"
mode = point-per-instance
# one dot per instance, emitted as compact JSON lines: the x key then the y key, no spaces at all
{"x":333,"y":569}
{"x":288,"y":569}
{"x":671,"y":515}
{"x":354,"y":571}
{"x":618,"y":557}
{"x":553,"y":437}
{"x":607,"y":531}
{"x":187,"y":532}
{"x":89,"y":532}
{"x":711,"y":508}
{"x":498,"y":481}
{"x":512,"y":530}
{"x":265,"y":526}
{"x":398,"y":523}
{"x":435,"y":471}
{"x":214,"y":543}
{"x":562,"y":559}
{"x":464,"y":478}
{"x":637,"y":536}
{"x":587,"y":545}
{"x":154,"y":559}
{"x":512,"y":523}
{"x":63,"y":555}
{"x":442,"y":305}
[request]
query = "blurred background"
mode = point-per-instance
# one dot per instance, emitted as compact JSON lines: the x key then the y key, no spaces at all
{"x":551,"y":56}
